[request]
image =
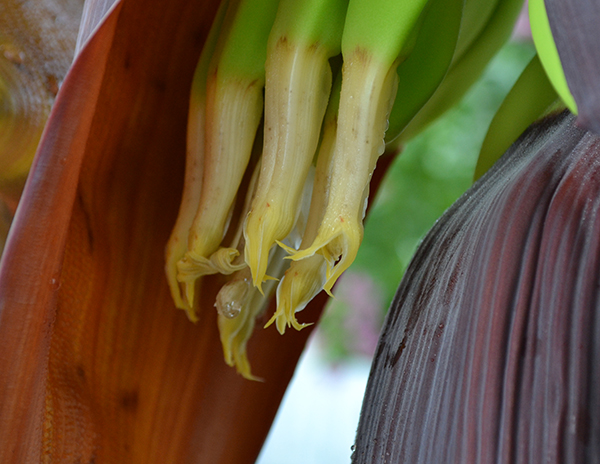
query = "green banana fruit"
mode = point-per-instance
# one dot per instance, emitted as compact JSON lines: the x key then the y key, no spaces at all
{"x":424,"y":52}
{"x":465,"y":70}
{"x":304,"y":36}
{"x":178,"y":241}
{"x":304,"y":279}
{"x":529,"y":98}
{"x":476,"y":14}
{"x":376,"y":38}
{"x":448,"y":31}
{"x":234,"y":104}
{"x":419,"y":76}
{"x":426,"y":66}
{"x":546,"y":48}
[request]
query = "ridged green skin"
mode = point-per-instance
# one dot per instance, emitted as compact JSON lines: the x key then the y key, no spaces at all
{"x":312,"y":22}
{"x":305,"y":278}
{"x":234,"y":105}
{"x":546,"y":48}
{"x":244,"y":52}
{"x":381,"y":28}
{"x":529,"y":98}
{"x":377,"y":37}
{"x":305,"y":35}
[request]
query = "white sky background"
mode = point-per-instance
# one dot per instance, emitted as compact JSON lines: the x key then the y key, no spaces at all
{"x":319,"y":414}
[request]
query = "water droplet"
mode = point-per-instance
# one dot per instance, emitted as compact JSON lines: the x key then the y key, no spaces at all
{"x":231,"y":298}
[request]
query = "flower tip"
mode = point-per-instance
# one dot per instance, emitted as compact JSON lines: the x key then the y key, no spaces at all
{"x":243,"y":368}
{"x":265,"y":278}
{"x":287,"y":248}
{"x":328,"y":289}
{"x":303,"y":254}
{"x":257,"y":261}
{"x":334,"y":273}
{"x":234,"y":357}
{"x":270,"y":322}
{"x":180,"y":300}
{"x":192,"y":317}
{"x":187,"y":275}
{"x":264,"y":227}
{"x":175,"y":289}
{"x":191,"y":314}
{"x":302,"y":281}
{"x":282,"y":324}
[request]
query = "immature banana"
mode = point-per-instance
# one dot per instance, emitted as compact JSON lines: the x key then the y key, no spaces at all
{"x":377,"y":36}
{"x":465,"y":70}
{"x":305,"y":278}
{"x":305,"y":35}
{"x":194,"y":167}
{"x":434,"y":49}
{"x":239,"y":303}
{"x":476,"y":14}
{"x":424,"y":69}
{"x":234,"y":104}
{"x":427,"y":52}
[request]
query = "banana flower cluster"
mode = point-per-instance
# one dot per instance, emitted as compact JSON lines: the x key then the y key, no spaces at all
{"x":160,"y":136}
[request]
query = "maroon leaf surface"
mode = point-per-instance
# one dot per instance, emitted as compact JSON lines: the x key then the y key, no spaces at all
{"x":31,"y":263}
{"x":491,"y":349}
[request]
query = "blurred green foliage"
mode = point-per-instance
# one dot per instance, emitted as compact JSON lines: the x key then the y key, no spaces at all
{"x":433,"y":170}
